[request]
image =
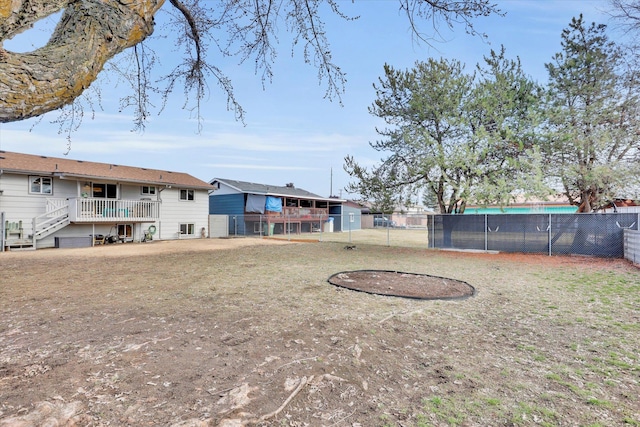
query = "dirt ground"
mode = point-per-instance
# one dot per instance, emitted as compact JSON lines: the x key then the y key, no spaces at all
{"x":402,"y":284}
{"x":240,"y":332}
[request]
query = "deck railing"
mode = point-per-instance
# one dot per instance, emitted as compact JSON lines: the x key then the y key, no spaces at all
{"x":301,"y":213}
{"x":93,"y":210}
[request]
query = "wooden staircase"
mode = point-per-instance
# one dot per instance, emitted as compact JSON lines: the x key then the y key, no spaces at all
{"x":50,"y":222}
{"x":56,"y":218}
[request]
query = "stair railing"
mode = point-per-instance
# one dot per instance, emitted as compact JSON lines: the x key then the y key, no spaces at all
{"x":45,"y":221}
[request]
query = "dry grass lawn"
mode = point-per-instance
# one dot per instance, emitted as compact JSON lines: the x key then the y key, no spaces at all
{"x":248,"y":332}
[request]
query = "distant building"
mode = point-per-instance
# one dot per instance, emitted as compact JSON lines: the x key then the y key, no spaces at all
{"x":414,"y":216}
{"x":261,"y":209}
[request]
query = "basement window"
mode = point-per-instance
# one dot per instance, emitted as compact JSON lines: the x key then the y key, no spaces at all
{"x":188,"y":229}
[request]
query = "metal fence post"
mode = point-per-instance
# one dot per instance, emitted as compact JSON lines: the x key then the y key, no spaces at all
{"x":2,"y":232}
{"x":287,"y":226}
{"x":235,"y":227}
{"x":388,"y":227}
{"x":549,"y":234}
{"x":433,"y":232}
{"x":486,"y":234}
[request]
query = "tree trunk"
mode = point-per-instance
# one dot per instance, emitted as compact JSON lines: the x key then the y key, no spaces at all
{"x":89,"y":33}
{"x":587,"y":200}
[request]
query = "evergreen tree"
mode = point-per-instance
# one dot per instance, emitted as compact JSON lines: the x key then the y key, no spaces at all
{"x":461,"y":137}
{"x":592,"y":109}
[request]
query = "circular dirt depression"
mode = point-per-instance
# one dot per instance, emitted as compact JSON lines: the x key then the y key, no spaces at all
{"x":399,"y":284}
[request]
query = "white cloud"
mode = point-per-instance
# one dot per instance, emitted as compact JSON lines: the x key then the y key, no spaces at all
{"x":252,"y":166}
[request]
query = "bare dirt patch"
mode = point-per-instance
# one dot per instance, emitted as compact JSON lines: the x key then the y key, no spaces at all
{"x":247,"y":332}
{"x":402,"y":284}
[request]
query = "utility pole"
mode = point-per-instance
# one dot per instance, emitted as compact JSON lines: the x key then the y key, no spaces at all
{"x":331,"y":184}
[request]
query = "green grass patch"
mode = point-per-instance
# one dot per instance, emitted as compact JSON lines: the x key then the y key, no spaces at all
{"x":445,"y":410}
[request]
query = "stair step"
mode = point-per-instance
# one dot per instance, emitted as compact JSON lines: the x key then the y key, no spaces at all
{"x":53,"y":227}
{"x":22,"y":248}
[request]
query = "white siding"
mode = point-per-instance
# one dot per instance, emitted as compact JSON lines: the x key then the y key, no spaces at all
{"x":134,"y":192}
{"x":19,"y":205}
{"x":174,"y":212}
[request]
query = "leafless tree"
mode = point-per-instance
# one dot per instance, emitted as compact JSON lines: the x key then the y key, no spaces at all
{"x":91,"y":32}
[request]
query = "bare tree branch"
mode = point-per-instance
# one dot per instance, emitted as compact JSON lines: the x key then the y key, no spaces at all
{"x":91,"y":32}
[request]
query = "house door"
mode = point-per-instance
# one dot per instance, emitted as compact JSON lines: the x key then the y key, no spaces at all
{"x":125,"y":232}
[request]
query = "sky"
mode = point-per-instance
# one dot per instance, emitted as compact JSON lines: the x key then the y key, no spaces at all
{"x":291,"y":133}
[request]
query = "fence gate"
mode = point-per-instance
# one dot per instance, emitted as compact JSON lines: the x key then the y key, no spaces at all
{"x":218,"y":226}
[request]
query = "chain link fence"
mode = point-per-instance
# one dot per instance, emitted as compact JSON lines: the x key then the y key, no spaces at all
{"x":597,"y":234}
{"x":282,"y":226}
{"x":600,"y":234}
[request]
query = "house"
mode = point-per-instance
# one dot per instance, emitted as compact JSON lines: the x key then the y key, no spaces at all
{"x":54,"y":202}
{"x":260,"y":209}
{"x":403,"y":216}
{"x":626,"y":205}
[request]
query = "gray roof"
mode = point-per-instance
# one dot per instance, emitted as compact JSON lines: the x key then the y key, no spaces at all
{"x":271,"y":190}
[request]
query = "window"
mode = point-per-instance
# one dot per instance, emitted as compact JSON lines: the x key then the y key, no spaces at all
{"x":105,"y":191}
{"x":40,"y":185}
{"x":188,"y":229}
{"x":148,"y":190}
{"x":186,"y":195}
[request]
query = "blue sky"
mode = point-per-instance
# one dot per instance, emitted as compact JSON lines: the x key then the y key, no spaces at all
{"x":291,"y":133}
